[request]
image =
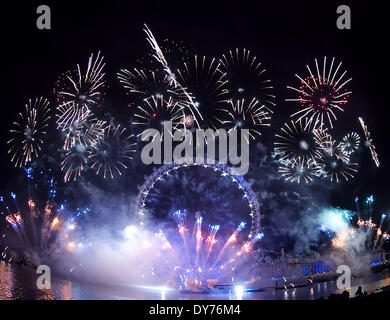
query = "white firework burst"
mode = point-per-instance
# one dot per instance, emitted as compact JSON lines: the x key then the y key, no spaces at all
{"x":350,"y":143}
{"x":251,"y":115}
{"x":299,"y":170}
{"x":82,"y":90}
{"x":28,"y":133}
{"x":206,"y":85}
{"x":247,"y":77}
{"x":142,"y":84}
{"x":297,"y":140}
{"x":75,"y":162}
{"x":152,"y":114}
{"x":86,"y":132}
{"x":335,"y":166}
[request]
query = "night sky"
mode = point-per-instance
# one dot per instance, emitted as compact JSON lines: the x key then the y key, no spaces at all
{"x":285,"y":36}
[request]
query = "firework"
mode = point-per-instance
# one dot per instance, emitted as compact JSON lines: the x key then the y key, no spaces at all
{"x":354,"y":236}
{"x":154,"y":111}
{"x":206,"y":85}
{"x":211,"y":240}
{"x":230,"y":241}
{"x":335,"y":165}
{"x":297,"y":140}
{"x":350,"y":143}
{"x":71,"y":115}
{"x":82,"y":90}
{"x":110,"y":153}
{"x":143,"y":84}
{"x":299,"y":170}
{"x":321,"y":95}
{"x":28,"y":133}
{"x":39,"y":228}
{"x":250,"y":115}
{"x":75,"y":161}
{"x":201,"y":252}
{"x":204,"y":257}
{"x":369,"y":142}
{"x":246,"y":77}
{"x":86,"y":133}
{"x":327,"y":145}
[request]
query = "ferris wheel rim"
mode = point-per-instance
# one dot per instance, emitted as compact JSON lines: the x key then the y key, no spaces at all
{"x":225,"y":171}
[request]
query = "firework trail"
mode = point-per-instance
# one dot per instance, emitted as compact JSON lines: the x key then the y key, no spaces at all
{"x":211,"y":241}
{"x":369,"y":202}
{"x":350,"y":143}
{"x":198,"y":237}
{"x":160,"y":58}
{"x":82,"y":90}
{"x":180,"y":216}
{"x":374,"y":233}
{"x":29,"y":132}
{"x":321,"y":95}
{"x":231,"y":240}
{"x":175,"y":52}
{"x":296,"y":140}
{"x":245,"y":75}
{"x":203,"y":258}
{"x":110,"y":153}
{"x":206,"y":85}
{"x":154,"y":111}
{"x":298,"y":170}
{"x":369,"y":142}
{"x":250,"y":115}
{"x":148,"y":80}
{"x":159,"y":55}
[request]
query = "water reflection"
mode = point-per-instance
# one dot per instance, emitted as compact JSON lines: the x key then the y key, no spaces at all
{"x":18,"y":282}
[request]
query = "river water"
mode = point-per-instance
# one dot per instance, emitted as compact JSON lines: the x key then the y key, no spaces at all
{"x":18,"y":282}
